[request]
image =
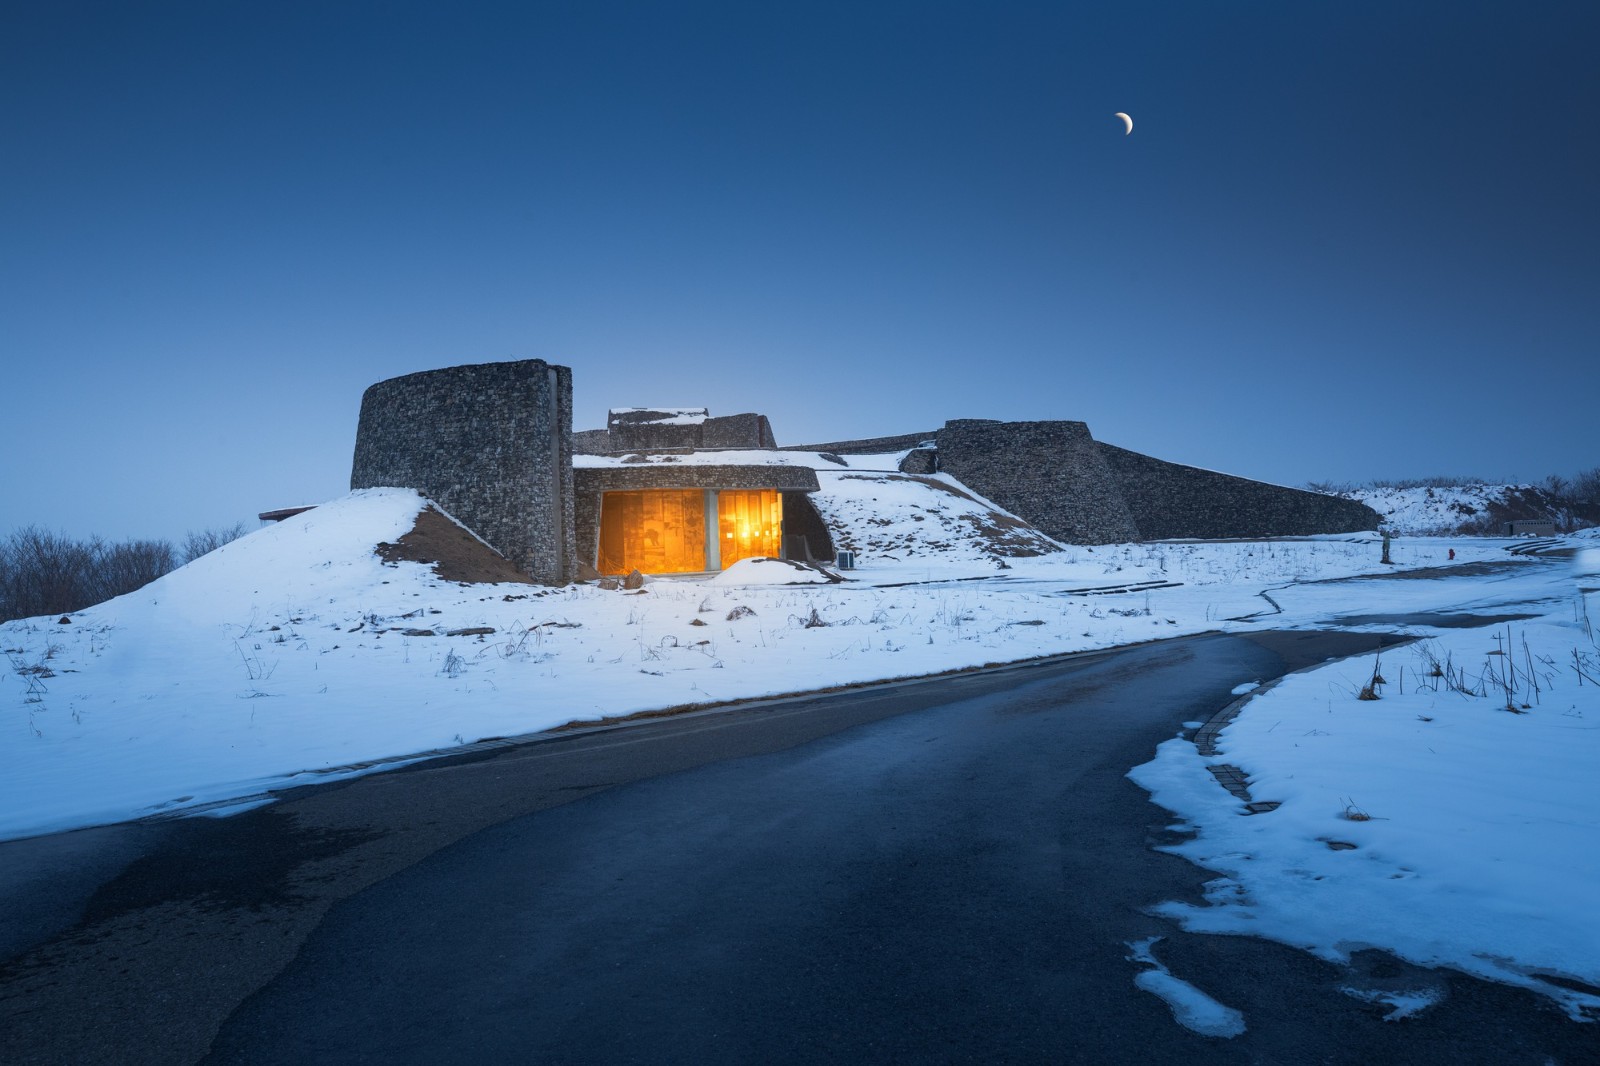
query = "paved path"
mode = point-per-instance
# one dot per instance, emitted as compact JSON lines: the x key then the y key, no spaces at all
{"x":946,"y":871}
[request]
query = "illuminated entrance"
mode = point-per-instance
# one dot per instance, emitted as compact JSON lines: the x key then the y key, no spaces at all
{"x":663,"y":531}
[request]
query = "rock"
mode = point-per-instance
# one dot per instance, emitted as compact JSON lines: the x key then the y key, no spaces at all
{"x":587,"y":572}
{"x":470,"y":631}
{"x":634,"y":580}
{"x":739,"y":612}
{"x":64,"y":621}
{"x":610,"y":583}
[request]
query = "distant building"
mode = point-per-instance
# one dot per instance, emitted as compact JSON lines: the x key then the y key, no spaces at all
{"x":1530,"y":527}
{"x":678,"y":490}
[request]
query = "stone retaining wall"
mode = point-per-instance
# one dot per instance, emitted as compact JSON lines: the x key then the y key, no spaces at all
{"x":867,"y":445}
{"x":1050,"y":474}
{"x":1170,"y":500}
{"x":491,"y":443}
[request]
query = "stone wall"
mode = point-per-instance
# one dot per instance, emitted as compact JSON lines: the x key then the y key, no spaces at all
{"x":1170,"y":500}
{"x":636,"y":436}
{"x":737,"y":431}
{"x":1050,"y":474}
{"x":643,"y":430}
{"x":867,"y":445}
{"x":920,"y":461}
{"x":491,"y":443}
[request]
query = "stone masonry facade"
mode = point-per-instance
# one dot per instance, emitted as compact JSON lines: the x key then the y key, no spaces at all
{"x":639,"y":429}
{"x":1050,"y":474}
{"x":594,"y":482}
{"x":491,"y":443}
{"x":1055,"y":476}
{"x":1170,"y":500}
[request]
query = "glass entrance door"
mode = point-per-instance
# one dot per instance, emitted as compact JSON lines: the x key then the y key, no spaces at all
{"x":749,"y":523}
{"x":656,"y":532}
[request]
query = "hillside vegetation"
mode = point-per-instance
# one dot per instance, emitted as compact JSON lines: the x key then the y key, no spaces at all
{"x":1443,"y":506}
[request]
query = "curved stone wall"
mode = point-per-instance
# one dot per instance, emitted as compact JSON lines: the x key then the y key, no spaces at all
{"x":1049,"y":474}
{"x":491,"y":443}
{"x":1170,"y":500}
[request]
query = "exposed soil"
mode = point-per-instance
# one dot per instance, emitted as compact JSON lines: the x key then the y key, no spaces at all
{"x":456,"y":555}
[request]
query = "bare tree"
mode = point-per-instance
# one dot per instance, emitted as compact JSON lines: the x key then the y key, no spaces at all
{"x":1586,"y":486}
{"x":209,"y":540}
{"x":122,"y":568}
{"x":45,"y":573}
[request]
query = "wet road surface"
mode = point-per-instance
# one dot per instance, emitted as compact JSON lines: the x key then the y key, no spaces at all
{"x":940,"y":871}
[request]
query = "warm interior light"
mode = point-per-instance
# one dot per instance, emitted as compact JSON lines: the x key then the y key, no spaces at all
{"x":664,"y":531}
{"x":658,"y":532}
{"x":750,"y":519}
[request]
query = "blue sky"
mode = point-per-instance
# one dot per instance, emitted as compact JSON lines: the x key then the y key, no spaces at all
{"x":1344,"y":241}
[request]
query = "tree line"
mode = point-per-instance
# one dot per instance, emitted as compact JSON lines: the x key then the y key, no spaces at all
{"x":51,"y":573}
{"x":1582,"y":488}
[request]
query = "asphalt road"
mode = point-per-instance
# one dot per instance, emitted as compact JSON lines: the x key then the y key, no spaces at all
{"x":946,"y":871}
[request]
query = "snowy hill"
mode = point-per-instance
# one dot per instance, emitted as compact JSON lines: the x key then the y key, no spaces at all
{"x":328,"y":640}
{"x":350,"y":638}
{"x":1442,"y":510}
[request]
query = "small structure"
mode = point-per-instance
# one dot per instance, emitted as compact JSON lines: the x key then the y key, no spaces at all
{"x":281,"y":513}
{"x":650,"y":497}
{"x":1530,"y":527}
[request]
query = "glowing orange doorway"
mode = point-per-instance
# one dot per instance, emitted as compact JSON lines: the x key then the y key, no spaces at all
{"x":749,"y":523}
{"x":658,"y":532}
{"x":664,"y":531}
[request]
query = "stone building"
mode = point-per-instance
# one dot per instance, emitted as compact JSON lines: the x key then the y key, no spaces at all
{"x":677,"y":490}
{"x":491,"y":443}
{"x":1061,"y":480}
{"x":701,"y":506}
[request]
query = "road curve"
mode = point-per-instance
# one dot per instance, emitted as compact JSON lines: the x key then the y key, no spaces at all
{"x":944,"y":871}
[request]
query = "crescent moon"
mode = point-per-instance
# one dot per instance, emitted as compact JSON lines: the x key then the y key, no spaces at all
{"x":1126,"y":121}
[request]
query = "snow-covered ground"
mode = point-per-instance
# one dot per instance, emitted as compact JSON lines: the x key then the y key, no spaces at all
{"x":1432,"y":509}
{"x":1442,"y":510}
{"x":294,"y":655}
{"x":1453,"y":820}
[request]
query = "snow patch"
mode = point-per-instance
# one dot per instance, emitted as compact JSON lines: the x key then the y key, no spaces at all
{"x":764,"y":571}
{"x":1402,"y":1005}
{"x":1191,"y":1008}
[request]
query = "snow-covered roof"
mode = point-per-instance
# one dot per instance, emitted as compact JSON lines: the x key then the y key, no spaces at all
{"x":745,"y":457}
{"x":659,"y":416}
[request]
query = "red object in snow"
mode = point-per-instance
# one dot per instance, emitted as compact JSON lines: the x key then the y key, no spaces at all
{"x":1452,"y":554}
